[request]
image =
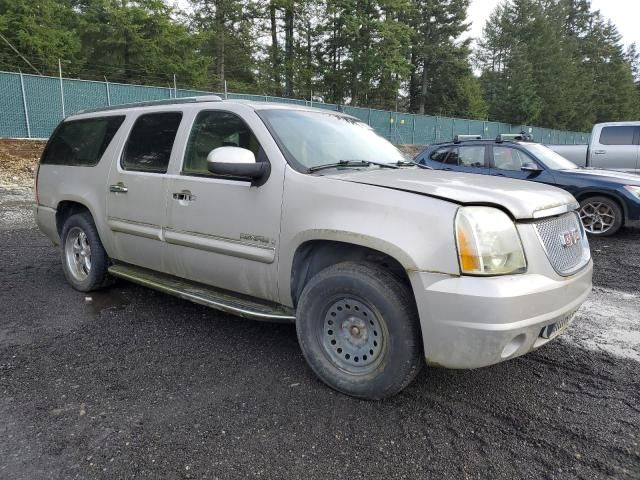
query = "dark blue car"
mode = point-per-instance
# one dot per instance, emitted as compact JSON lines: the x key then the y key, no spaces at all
{"x":608,"y":199}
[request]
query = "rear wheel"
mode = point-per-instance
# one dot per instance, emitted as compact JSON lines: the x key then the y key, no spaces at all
{"x":84,"y":259}
{"x":358,"y":329}
{"x":600,"y":216}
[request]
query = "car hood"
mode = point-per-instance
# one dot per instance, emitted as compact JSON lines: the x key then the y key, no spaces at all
{"x":523,"y":199}
{"x":613,"y":176}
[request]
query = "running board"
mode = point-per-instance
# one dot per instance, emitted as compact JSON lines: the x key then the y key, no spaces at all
{"x":223,"y":300}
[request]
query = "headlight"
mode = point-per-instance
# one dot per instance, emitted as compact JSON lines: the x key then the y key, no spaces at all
{"x":488,"y":242}
{"x":635,"y":191}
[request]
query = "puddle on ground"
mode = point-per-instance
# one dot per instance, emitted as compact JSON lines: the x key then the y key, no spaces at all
{"x":108,"y":300}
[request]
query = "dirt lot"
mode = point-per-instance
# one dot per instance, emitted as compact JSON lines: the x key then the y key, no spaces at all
{"x":18,"y":161}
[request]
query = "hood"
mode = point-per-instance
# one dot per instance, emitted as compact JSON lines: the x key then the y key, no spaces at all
{"x":613,"y":176}
{"x":523,"y":199}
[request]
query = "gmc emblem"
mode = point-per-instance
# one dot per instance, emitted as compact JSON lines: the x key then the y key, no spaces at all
{"x":569,"y":238}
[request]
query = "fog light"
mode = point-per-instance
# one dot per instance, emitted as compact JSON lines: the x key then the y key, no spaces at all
{"x":513,"y":346}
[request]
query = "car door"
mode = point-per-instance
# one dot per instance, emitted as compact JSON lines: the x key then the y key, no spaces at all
{"x":137,"y":191}
{"x":616,"y":147}
{"x":508,"y":161}
{"x":224,"y":231}
{"x":468,"y":158}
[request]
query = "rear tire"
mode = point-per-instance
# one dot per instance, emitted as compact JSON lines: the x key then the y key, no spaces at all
{"x":84,"y":259}
{"x":601,"y":216}
{"x":358,"y":329}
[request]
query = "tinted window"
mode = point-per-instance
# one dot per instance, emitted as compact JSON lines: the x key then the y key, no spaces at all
{"x":506,"y":158}
{"x":617,"y":135}
{"x":212,"y":130}
{"x":440,"y":154}
{"x":81,"y":142}
{"x":471,"y":156}
{"x":150,"y":142}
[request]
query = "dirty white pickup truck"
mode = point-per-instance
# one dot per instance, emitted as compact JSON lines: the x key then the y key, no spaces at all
{"x":282,"y":213}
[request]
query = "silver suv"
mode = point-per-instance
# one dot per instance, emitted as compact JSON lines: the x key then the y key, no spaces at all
{"x":290,"y":214}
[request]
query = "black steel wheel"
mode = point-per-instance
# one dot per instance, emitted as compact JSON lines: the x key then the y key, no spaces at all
{"x":359,"y":331}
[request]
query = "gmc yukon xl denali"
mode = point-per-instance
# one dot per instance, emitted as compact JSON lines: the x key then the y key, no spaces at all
{"x":292,"y":214}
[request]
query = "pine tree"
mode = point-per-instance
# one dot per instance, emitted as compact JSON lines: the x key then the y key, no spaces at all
{"x":43,"y":32}
{"x":441,"y":74}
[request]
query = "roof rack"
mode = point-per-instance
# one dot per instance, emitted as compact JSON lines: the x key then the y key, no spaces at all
{"x":155,"y":103}
{"x":514,"y":137}
{"x":466,"y":138}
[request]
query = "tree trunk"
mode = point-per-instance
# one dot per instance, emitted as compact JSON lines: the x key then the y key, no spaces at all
{"x":413,"y":82}
{"x":423,"y":88}
{"x":220,"y":39}
{"x":288,"y":50}
{"x":275,"y":51}
{"x":309,"y":61}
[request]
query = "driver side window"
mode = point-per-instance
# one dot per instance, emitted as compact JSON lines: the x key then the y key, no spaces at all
{"x":506,"y":158}
{"x":211,"y":130}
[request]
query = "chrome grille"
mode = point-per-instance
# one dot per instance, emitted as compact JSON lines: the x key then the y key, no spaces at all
{"x":565,"y":258}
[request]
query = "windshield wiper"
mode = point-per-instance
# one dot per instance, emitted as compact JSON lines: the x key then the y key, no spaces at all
{"x":406,"y":163}
{"x":351,"y":163}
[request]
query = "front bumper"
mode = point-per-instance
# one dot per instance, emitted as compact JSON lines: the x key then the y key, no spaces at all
{"x":471,"y":322}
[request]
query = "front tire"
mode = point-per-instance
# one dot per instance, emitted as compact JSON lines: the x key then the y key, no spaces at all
{"x":601,"y":216}
{"x":358,"y":329}
{"x":84,"y":259}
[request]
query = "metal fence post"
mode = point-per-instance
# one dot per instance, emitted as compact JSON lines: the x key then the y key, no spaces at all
{"x":413,"y":131}
{"x":64,"y":115}
{"x":24,"y":103}
{"x":437,"y":133}
{"x":106,"y":82}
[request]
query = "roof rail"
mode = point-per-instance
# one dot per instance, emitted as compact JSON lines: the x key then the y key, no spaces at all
{"x":466,"y":138}
{"x":514,"y":137}
{"x":154,"y":103}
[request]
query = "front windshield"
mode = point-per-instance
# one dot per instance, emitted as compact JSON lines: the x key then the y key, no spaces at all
{"x":317,"y":138}
{"x":551,"y":159}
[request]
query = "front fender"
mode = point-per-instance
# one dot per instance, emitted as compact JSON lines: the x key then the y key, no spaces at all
{"x":417,"y":231}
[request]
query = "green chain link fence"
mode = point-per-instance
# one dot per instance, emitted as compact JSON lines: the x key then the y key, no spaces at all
{"x":31,"y":106}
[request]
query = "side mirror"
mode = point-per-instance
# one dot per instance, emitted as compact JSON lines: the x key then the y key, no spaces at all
{"x":530,"y":167}
{"x":237,"y":162}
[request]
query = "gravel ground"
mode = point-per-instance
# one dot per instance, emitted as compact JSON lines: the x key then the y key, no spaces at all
{"x":139,"y":384}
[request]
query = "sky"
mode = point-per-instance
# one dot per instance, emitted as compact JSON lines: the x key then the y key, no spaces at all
{"x":623,"y":13}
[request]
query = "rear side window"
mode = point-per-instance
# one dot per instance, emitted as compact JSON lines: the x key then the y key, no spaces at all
{"x":617,"y":135}
{"x":81,"y":143}
{"x":150,"y":142}
{"x":471,"y":156}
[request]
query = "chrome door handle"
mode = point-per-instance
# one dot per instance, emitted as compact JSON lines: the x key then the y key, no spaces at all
{"x":599,"y":152}
{"x":118,"y":188}
{"x":184,"y":195}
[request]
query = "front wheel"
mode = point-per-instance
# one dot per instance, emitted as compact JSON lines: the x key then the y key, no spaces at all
{"x":358,"y":329}
{"x":600,"y":216}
